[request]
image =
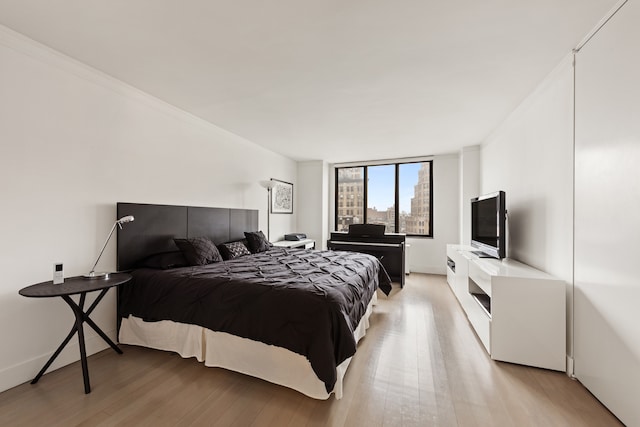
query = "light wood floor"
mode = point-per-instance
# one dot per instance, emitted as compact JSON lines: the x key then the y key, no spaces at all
{"x":419,"y":365}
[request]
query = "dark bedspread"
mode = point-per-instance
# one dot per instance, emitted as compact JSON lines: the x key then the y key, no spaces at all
{"x":306,"y":301}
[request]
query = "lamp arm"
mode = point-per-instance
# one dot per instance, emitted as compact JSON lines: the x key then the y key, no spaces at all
{"x":93,"y":269}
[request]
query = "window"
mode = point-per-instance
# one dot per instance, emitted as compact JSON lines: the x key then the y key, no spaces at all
{"x":349,"y":195}
{"x":415,"y":198}
{"x":397,"y":195}
{"x":381,"y":196}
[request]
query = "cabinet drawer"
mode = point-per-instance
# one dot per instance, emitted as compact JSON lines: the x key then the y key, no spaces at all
{"x":481,"y":324}
{"x":451,"y":277}
{"x":480,"y":277}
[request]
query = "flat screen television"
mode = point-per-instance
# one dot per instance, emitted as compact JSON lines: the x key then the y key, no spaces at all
{"x":488,"y":225}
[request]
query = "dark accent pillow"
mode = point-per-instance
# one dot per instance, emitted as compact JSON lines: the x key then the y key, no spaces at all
{"x":233,"y":250}
{"x":164,"y":261}
{"x":257,"y":242}
{"x":198,"y":250}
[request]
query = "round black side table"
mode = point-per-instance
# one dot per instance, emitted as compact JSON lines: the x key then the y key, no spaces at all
{"x":77,"y":286}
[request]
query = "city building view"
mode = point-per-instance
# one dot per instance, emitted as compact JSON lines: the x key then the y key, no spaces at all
{"x":350,"y":197}
{"x":414,"y":195}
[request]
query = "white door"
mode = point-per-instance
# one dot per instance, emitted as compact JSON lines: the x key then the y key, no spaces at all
{"x":607,"y":215}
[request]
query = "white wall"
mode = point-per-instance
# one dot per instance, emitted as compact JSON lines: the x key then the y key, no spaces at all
{"x":73,"y":142}
{"x":312,"y":201}
{"x":530,"y":157}
{"x":469,"y":188}
{"x":429,"y":255}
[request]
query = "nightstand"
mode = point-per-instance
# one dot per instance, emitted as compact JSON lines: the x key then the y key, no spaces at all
{"x":304,"y":244}
{"x":77,"y":286}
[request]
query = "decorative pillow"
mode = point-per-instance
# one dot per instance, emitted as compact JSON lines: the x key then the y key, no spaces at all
{"x":233,"y":250}
{"x":257,"y":242}
{"x":198,"y":250}
{"x":164,"y":261}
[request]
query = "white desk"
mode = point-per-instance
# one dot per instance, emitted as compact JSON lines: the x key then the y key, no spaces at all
{"x":304,"y":243}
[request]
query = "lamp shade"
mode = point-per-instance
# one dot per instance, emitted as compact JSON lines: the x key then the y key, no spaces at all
{"x":128,"y":218}
{"x":268,"y":184}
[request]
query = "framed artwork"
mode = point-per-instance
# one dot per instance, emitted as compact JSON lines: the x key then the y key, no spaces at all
{"x":282,"y":197}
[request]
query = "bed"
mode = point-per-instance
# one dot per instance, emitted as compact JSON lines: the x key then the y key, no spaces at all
{"x":289,"y":316}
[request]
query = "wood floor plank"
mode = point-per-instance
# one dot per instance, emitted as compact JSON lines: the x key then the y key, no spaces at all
{"x":419,"y":364}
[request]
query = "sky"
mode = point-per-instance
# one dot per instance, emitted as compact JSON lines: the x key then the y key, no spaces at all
{"x":381,"y":185}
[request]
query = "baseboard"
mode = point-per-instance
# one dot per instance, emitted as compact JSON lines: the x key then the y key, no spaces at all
{"x":430,"y":270}
{"x":27,"y":370}
{"x":570,"y":367}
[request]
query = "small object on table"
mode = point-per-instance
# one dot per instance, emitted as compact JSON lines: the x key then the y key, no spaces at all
{"x":77,"y":286}
{"x":304,"y":243}
{"x":58,"y":274}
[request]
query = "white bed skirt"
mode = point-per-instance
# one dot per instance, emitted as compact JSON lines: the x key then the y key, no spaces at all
{"x":223,"y":350}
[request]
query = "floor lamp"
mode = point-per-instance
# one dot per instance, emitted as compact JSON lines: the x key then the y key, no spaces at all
{"x":269,"y":186}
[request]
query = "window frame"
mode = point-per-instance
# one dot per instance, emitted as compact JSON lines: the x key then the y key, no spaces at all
{"x":365,"y":190}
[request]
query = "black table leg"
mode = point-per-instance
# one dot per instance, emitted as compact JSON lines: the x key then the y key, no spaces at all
{"x":79,"y":313}
{"x":95,"y":327}
{"x":80,"y":317}
{"x":55,"y":354}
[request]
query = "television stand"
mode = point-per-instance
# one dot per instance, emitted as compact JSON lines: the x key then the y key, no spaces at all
{"x":517,"y":312}
{"x":481,"y":254}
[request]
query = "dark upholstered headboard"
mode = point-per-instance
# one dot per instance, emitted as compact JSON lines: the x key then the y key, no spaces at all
{"x":155,"y":227}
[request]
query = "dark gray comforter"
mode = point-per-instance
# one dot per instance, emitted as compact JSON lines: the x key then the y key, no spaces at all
{"x":306,"y":301}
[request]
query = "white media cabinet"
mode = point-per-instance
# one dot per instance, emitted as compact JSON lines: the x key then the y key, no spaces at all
{"x":518,"y":312}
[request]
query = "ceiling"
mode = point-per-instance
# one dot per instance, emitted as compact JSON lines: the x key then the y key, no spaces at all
{"x":335,"y":80}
